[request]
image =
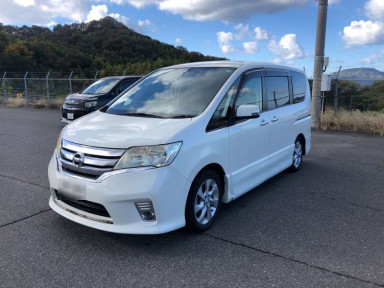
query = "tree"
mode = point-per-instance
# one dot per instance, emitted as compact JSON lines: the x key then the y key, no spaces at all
{"x":99,"y":45}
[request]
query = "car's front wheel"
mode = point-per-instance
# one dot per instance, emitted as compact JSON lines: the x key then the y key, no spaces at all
{"x":204,"y":201}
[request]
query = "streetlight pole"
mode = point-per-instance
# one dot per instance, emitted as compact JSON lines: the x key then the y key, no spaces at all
{"x":319,"y":61}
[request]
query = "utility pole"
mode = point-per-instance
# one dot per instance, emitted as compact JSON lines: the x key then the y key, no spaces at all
{"x":319,"y":61}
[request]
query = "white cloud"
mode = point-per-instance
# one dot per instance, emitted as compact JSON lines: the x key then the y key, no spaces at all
{"x":287,"y":48}
{"x":24,"y":3}
{"x":224,"y":10}
{"x":42,"y":11}
{"x":139,"y":3}
{"x":373,"y":59}
{"x":362,"y":32}
{"x":250,"y":47}
{"x":97,"y":12}
{"x":277,"y":61}
{"x":229,"y":10}
{"x":229,"y":41}
{"x":261,"y":34}
{"x":179,"y":40}
{"x":224,"y":39}
{"x":242,"y":31}
{"x":375,"y":9}
{"x":121,"y":18}
{"x":332,"y":2}
{"x":51,"y":24}
{"x":100,"y":11}
{"x":145,"y":25}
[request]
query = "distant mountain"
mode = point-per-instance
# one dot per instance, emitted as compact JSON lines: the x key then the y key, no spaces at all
{"x":105,"y":45}
{"x":363,"y":76}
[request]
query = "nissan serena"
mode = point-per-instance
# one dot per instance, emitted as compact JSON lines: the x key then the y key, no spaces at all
{"x":178,"y":143}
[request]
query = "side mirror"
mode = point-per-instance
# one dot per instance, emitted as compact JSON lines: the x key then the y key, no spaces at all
{"x":248,"y":111}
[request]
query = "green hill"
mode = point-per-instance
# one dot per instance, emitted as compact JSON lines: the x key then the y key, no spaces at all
{"x":105,"y":45}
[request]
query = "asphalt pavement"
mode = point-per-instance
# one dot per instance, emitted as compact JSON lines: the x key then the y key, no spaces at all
{"x":320,"y":227}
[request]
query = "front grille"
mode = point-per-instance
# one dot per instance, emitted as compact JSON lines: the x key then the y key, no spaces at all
{"x":74,"y":104}
{"x":88,"y":161}
{"x":83,"y":205}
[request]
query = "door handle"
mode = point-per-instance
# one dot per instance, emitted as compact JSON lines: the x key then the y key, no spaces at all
{"x":274,"y":119}
{"x":263,"y":123}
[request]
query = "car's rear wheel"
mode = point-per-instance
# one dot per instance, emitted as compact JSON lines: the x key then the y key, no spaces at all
{"x":297,"y":155}
{"x":204,"y":201}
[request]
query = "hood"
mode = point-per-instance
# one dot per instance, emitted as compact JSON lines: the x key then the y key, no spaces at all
{"x":116,"y":131}
{"x":82,"y":97}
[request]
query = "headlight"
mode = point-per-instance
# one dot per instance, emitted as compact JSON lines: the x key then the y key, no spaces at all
{"x":144,"y":156}
{"x":90,"y":104}
{"x":58,"y":144}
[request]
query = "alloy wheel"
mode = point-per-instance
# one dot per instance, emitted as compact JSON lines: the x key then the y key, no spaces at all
{"x":206,"y":201}
{"x":297,"y":154}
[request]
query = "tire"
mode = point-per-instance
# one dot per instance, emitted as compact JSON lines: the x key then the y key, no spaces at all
{"x":205,"y":195}
{"x":297,"y":158}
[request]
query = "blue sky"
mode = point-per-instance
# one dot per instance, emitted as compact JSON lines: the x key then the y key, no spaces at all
{"x":279,"y":31}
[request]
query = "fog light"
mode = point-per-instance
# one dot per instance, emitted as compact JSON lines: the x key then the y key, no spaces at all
{"x":145,"y":209}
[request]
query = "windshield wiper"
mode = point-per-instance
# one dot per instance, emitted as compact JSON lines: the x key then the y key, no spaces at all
{"x":182,"y":116}
{"x":140,"y":114}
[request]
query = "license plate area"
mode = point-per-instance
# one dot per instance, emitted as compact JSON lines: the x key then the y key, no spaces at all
{"x":70,"y":116}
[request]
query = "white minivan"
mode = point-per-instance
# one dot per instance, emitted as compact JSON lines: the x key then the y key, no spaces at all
{"x":181,"y":141}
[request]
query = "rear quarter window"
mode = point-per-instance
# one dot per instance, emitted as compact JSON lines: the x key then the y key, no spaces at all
{"x":299,"y":83}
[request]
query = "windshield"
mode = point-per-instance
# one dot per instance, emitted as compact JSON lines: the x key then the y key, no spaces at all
{"x":101,"y":86}
{"x":177,"y":92}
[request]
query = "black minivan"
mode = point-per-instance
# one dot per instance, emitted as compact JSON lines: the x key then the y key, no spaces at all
{"x":95,"y":96}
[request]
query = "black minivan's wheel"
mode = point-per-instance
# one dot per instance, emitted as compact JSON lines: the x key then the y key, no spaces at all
{"x":297,"y":155}
{"x":204,"y":201}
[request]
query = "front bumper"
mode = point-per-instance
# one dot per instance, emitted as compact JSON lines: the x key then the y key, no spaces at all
{"x":165,"y":187}
{"x":77,"y":113}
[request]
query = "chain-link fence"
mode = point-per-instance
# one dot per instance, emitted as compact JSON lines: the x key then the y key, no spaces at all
{"x":354,"y":105}
{"x":40,"y":89}
{"x":31,"y":89}
{"x":356,"y":94}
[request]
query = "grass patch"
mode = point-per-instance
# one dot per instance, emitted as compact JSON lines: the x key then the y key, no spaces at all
{"x":16,"y":102}
{"x":354,"y":121}
{"x":56,"y":103}
{"x":41,"y":103}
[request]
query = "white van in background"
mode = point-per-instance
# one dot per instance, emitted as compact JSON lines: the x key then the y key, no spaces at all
{"x":178,"y":143}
